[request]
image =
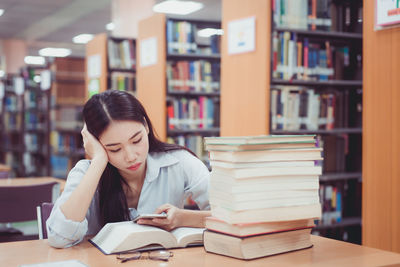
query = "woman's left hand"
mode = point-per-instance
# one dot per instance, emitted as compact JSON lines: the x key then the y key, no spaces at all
{"x":174,"y":218}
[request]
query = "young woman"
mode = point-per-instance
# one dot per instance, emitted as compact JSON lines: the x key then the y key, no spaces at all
{"x":130,"y":172}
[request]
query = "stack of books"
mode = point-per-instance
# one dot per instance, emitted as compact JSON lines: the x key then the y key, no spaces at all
{"x":263,"y":194}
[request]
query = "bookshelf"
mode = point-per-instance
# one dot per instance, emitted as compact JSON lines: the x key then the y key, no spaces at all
{"x":183,"y":101}
{"x":111,"y":64}
{"x":26,"y":125}
{"x":68,"y":97}
{"x":320,"y":95}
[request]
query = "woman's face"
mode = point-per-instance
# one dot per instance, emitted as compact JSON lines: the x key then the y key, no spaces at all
{"x":127,"y":146}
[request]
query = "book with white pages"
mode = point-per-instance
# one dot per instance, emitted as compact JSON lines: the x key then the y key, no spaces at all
{"x":267,"y":171}
{"x":268,"y":155}
{"x":235,"y":165}
{"x":259,"y":139}
{"x":266,"y":184}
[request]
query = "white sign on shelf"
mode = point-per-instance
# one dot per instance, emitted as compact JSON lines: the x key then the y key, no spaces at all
{"x":241,"y":35}
{"x":19,"y":85}
{"x":45,"y":80}
{"x":94,"y":66}
{"x":387,"y":13}
{"x":148,"y":52}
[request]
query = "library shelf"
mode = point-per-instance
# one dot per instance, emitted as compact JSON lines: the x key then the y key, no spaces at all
{"x":193,"y":56}
{"x":323,"y":34}
{"x":213,"y":130}
{"x":345,"y":222}
{"x":191,"y":94}
{"x":335,"y":131}
{"x":328,"y":83}
{"x":330,"y":177}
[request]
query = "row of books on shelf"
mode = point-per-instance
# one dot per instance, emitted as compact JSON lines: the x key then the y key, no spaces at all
{"x":192,"y":113}
{"x":35,"y":121}
{"x":66,"y":142}
{"x":295,"y":108}
{"x":182,"y":39}
{"x":12,"y":103}
{"x":12,"y":122}
{"x":192,"y":142}
{"x":124,"y":81}
{"x":121,"y":54}
{"x":60,"y":165}
{"x":36,"y":100}
{"x":322,"y":15}
{"x":193,"y":76}
{"x":331,"y":200}
{"x":34,"y":142}
{"x":302,"y":59}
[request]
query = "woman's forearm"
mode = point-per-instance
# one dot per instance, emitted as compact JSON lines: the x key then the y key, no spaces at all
{"x":76,"y":207}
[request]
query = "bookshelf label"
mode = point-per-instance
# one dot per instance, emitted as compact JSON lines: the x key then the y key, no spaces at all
{"x":148,"y":52}
{"x":241,"y":35}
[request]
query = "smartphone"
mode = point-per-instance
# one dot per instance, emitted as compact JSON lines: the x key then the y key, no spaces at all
{"x":150,"y":216}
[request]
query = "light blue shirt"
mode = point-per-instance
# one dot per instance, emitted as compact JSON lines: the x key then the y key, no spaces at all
{"x":170,"y":178}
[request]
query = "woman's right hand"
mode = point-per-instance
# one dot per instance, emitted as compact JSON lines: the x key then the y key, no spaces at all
{"x":93,"y":148}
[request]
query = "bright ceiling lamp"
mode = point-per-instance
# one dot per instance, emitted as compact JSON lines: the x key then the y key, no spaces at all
{"x":54,"y":52}
{"x":110,"y":26}
{"x":207,"y":32}
{"x":177,"y":7}
{"x":82,"y":38}
{"x":1,"y":11}
{"x":34,"y":60}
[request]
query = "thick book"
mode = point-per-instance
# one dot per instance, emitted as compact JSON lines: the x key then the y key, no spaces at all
{"x":256,"y":246}
{"x":265,"y":184}
{"x":267,"y":214}
{"x":125,"y":236}
{"x":255,"y":228}
{"x":236,"y":147}
{"x":267,"y":155}
{"x":259,"y":139}
{"x":242,"y":173}
{"x":240,"y":165}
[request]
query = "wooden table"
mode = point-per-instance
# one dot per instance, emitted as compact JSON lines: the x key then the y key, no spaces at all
{"x":31,"y":180}
{"x":326,"y":252}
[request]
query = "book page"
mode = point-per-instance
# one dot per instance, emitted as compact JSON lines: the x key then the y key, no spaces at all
{"x":188,"y":235}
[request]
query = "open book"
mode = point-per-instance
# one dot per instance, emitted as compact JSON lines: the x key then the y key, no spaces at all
{"x":124,"y":236}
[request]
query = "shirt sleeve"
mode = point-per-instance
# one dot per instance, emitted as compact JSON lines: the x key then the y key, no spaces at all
{"x":61,"y":231}
{"x":197,"y":177}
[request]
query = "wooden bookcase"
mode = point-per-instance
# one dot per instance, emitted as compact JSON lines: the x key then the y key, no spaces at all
{"x":181,"y":90}
{"x":68,"y":98}
{"x":111,"y":64}
{"x":26,"y":125}
{"x":250,"y":82}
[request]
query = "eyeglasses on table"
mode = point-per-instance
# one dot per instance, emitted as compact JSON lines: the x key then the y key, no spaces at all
{"x":160,"y":255}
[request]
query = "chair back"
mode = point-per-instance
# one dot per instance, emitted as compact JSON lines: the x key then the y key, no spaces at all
{"x":18,"y":203}
{"x":43,"y":213}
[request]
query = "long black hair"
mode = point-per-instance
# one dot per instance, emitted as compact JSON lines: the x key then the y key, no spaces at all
{"x":99,"y":111}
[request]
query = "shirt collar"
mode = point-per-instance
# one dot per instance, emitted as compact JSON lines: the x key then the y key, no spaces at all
{"x":155,"y":161}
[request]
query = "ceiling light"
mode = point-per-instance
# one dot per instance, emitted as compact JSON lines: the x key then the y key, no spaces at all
{"x":177,"y":7}
{"x":82,"y":38}
{"x":110,"y":26}
{"x":207,"y":32}
{"x":34,"y":60}
{"x":54,"y":52}
{"x":1,"y":11}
